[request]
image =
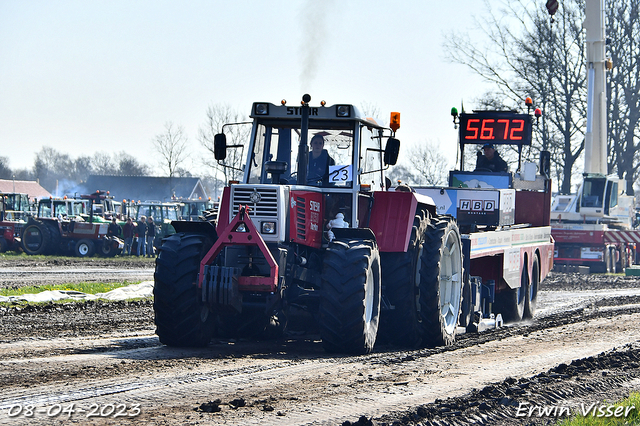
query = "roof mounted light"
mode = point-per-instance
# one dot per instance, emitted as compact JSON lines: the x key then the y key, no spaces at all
{"x":261,"y":109}
{"x":343,"y":110}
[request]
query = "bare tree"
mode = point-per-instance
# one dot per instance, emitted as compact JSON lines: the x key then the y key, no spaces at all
{"x":102,"y":163}
{"x":623,"y":100}
{"x":422,"y":165}
{"x":370,"y":110}
{"x":5,"y":170}
{"x":231,"y":167}
{"x":172,"y":147}
{"x":402,"y":174}
{"x":129,"y":166}
{"x":51,"y":168}
{"x":430,"y":165}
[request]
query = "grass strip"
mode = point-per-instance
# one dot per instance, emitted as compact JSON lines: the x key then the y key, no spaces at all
{"x":625,"y":412}
{"x":84,"y":287}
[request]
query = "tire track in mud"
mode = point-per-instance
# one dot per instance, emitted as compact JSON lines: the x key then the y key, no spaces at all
{"x":291,"y":387}
{"x":332,"y":390}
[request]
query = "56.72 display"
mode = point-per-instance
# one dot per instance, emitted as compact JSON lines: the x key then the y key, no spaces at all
{"x":495,"y":127}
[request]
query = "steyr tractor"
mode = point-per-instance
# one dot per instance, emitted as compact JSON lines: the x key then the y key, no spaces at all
{"x":313,"y":240}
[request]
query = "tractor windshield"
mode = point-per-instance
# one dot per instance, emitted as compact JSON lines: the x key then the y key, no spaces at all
{"x":274,"y":157}
{"x":16,"y":206}
{"x":159,"y":212}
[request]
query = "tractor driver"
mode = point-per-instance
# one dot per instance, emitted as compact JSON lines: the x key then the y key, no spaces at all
{"x":319,"y":162}
{"x":491,"y":160}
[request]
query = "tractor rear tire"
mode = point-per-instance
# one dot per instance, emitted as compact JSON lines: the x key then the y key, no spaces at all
{"x":441,"y":282}
{"x":84,"y":248}
{"x":532,"y":290}
{"x":401,"y":325}
{"x":37,"y":238}
{"x":350,"y":296}
{"x":108,"y":248}
{"x":4,"y":245}
{"x":180,"y":318}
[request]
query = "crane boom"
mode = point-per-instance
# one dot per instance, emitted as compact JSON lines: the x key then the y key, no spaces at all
{"x":595,"y":150}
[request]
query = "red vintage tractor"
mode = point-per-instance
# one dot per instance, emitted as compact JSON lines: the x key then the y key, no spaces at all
{"x":313,"y":240}
{"x":68,"y":225}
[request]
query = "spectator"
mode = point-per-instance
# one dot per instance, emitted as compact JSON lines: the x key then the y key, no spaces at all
{"x":114,"y":229}
{"x":151,"y":235}
{"x":127,"y":233}
{"x":142,"y":235}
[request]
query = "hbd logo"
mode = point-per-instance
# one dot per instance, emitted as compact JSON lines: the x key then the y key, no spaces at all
{"x":478,"y":205}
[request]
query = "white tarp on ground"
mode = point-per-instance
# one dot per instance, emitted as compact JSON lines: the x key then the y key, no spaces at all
{"x":133,"y":291}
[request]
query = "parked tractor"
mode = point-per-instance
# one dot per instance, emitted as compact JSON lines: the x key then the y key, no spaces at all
{"x":323,"y":247}
{"x":68,"y":225}
{"x":14,"y":212}
{"x":197,"y":209}
{"x":163,"y":215}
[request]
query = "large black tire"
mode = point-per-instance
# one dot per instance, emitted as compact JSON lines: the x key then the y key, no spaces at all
{"x":350,"y":296}
{"x":108,"y":248}
{"x":4,"y":245}
{"x":401,"y":325}
{"x":441,"y":282}
{"x":84,"y":248}
{"x":511,"y":302}
{"x":532,"y":290}
{"x":181,"y":319}
{"x":37,"y":238}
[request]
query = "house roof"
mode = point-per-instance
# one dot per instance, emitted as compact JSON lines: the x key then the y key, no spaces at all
{"x":146,"y":187}
{"x":31,"y":188}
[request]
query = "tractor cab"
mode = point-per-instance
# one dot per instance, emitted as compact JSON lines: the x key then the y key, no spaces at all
{"x":330,"y":158}
{"x":16,"y":206}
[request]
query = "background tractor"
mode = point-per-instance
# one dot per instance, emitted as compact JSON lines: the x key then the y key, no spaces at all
{"x":68,"y":225}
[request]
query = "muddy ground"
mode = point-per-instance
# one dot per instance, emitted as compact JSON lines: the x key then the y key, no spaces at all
{"x":22,"y":270}
{"x":582,"y":348}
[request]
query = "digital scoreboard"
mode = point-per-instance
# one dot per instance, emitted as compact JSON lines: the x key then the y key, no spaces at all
{"x":496,"y":127}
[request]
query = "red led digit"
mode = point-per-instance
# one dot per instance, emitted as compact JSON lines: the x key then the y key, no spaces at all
{"x":472,"y":129}
{"x":518,"y":126}
{"x":486,"y":132}
{"x":506,"y":128}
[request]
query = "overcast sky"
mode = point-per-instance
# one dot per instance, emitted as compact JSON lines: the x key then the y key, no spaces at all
{"x":86,"y":76}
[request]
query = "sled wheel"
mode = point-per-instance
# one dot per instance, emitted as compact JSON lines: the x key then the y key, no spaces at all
{"x":441,"y":279}
{"x":532,"y":290}
{"x":181,"y":319}
{"x":350,"y":296}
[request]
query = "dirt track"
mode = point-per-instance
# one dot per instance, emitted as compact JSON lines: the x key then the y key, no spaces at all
{"x":106,"y":353}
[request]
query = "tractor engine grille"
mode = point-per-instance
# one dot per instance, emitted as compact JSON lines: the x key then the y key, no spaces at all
{"x":267,"y":206}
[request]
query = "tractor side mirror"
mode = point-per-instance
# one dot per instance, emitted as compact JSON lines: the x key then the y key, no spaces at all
{"x":391,"y":151}
{"x":220,"y":146}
